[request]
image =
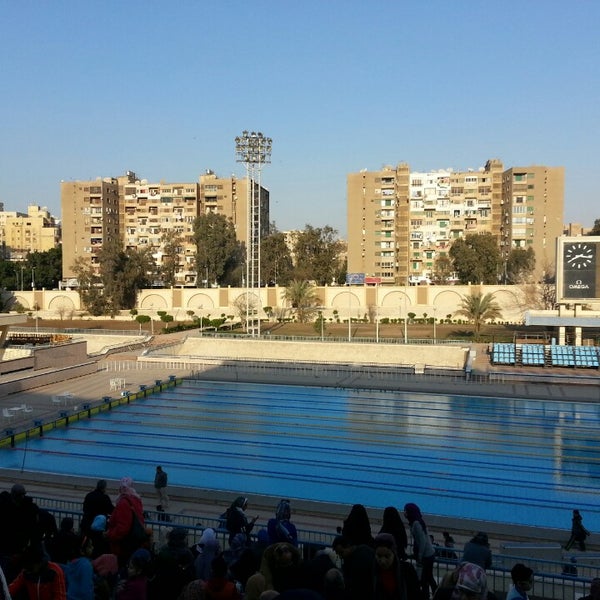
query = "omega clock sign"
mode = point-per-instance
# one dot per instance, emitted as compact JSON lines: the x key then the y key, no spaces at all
{"x":580,"y":268}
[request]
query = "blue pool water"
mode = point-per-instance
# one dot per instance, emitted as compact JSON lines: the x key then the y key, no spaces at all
{"x":496,"y":459}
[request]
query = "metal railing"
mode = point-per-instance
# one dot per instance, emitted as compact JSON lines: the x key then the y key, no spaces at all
{"x":558,"y":580}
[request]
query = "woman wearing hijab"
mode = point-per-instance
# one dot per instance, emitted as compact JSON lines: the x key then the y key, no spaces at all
{"x":423,"y":550}
{"x":237,"y":521}
{"x":394,"y":579}
{"x":281,"y":529}
{"x":392,"y":524}
{"x":122,"y":531}
{"x":208,"y":548}
{"x":357,"y":527}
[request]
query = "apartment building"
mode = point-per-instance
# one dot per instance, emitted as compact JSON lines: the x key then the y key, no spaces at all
{"x":400,"y":222}
{"x":20,"y":233}
{"x":378,"y":223}
{"x":90,"y":217}
{"x":149,"y":215}
{"x":229,"y":196}
{"x":532,"y":215}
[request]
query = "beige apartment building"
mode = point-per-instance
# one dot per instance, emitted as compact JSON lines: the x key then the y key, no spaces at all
{"x":90,"y":216}
{"x":20,"y":234}
{"x":532,"y":215}
{"x":400,"y":222}
{"x":148,"y":215}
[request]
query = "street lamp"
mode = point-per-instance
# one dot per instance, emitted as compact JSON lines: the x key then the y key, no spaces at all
{"x":434,"y":331}
{"x":33,"y":278}
{"x":253,"y":149}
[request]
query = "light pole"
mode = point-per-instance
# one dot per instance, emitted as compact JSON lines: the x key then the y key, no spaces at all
{"x":253,"y":149}
{"x":405,"y":321}
{"x":22,"y":271}
{"x":33,"y":278}
{"x":349,"y":315}
{"x":434,"y":331}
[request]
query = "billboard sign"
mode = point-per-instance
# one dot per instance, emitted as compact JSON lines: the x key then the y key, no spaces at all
{"x":355,"y":278}
{"x":578,"y":269}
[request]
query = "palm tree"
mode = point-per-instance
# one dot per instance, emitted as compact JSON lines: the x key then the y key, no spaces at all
{"x":479,"y":308}
{"x":302,"y":297}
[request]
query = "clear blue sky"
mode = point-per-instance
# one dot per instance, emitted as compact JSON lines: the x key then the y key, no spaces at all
{"x":162,"y":88}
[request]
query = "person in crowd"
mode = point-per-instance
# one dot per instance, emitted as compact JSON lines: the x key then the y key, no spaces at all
{"x":393,"y":524}
{"x":578,"y":532}
{"x":447,"y":551}
{"x":97,"y":502}
{"x":236,"y":520}
{"x":217,"y":586}
{"x":594,"y":590}
{"x":65,"y":544}
{"x":135,"y":586}
{"x":358,"y":567}
{"x":477,"y":551}
{"x":317,"y":567}
{"x":124,"y":540}
{"x":423,"y":550}
{"x":522,"y":578}
{"x":280,"y":570}
{"x":208,"y":549}
{"x":173,"y":567}
{"x":106,"y":572}
{"x":281,"y":529}
{"x":394,"y":579}
{"x":467,"y":582}
{"x":161,"y":481}
{"x":18,"y":527}
{"x":334,"y":587}
{"x":242,"y":559}
{"x":357,"y":527}
{"x":79,"y":572}
{"x":40,"y":578}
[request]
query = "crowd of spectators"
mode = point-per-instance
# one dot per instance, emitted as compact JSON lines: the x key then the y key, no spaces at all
{"x":112,"y":555}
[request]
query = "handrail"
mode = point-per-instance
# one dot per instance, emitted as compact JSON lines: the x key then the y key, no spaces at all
{"x":572,"y":576}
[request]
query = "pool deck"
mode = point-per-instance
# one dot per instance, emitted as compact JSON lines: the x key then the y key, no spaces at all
{"x":309,"y":515}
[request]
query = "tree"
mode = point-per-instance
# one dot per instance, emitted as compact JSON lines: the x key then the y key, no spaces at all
{"x":520,"y":265}
{"x":47,"y":267}
{"x":276,"y":264}
{"x":245,"y":306}
{"x":595,"y":230}
{"x":171,"y":244}
{"x":9,"y":274}
{"x":123,"y":273}
{"x":479,"y":308}
{"x":318,"y":255}
{"x":476,"y":258}
{"x":165,"y":318}
{"x":442,"y":269}
{"x":141,"y":319}
{"x":90,"y":290}
{"x":303,"y":299}
{"x":218,"y":252}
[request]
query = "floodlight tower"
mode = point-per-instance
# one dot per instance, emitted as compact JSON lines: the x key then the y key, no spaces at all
{"x":253,"y":149}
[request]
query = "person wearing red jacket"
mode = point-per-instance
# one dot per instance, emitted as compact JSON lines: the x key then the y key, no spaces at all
{"x":120,"y":523}
{"x":41,"y":579}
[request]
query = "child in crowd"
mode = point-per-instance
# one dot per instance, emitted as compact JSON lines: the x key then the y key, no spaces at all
{"x":522,"y":577}
{"x":136,"y":585}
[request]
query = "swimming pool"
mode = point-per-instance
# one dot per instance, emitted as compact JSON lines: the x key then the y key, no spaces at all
{"x":497,"y":459}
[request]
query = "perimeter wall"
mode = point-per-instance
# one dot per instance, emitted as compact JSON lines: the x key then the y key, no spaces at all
{"x":338,"y":302}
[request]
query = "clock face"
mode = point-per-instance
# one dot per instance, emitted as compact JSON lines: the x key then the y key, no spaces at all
{"x":578,"y":256}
